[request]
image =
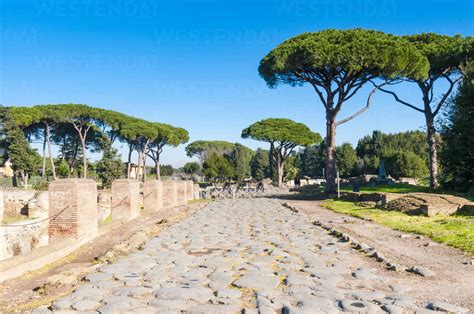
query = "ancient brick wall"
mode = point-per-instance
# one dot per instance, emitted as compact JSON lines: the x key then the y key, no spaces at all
{"x":169,"y":193}
{"x":73,"y":209}
{"x":153,"y":195}
{"x":181,"y":195}
{"x":125,"y":199}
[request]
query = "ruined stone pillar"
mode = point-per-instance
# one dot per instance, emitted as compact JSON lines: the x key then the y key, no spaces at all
{"x":73,"y":209}
{"x":153,"y":195}
{"x":196,"y":191}
{"x":181,"y":192}
{"x":189,"y":190}
{"x":1,"y":207}
{"x":125,"y":199}
{"x":169,"y":193}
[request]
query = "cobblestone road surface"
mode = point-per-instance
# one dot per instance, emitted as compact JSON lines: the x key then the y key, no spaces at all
{"x":233,"y":256}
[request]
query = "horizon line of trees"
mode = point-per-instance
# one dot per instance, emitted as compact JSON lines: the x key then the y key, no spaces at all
{"x":78,"y":129}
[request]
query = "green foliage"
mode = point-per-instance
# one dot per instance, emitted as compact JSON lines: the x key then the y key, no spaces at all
{"x":290,"y":168}
{"x":110,"y":167}
{"x":192,"y":168}
{"x":202,"y":149}
{"x":311,"y":160}
{"x":406,"y":164}
{"x":25,"y":160}
{"x":346,"y":159}
{"x":166,"y":170}
{"x":217,"y":167}
{"x":284,"y":131}
{"x":63,"y":169}
{"x":380,"y":146}
{"x":364,"y":54}
{"x":259,"y":164}
{"x":446,"y":54}
{"x":458,"y":138}
{"x":283,"y":135}
{"x":240,"y":158}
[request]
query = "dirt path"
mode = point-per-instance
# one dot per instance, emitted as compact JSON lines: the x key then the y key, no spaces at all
{"x":453,"y":281}
{"x":61,"y":277}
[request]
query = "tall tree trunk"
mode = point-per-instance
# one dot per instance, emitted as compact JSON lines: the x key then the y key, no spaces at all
{"x":280,"y":172}
{"x":271,"y":161}
{"x":144,"y":166}
{"x":43,"y":166}
{"x":433,"y":153}
{"x":51,"y":159}
{"x":157,"y":168}
{"x":330,"y":152}
{"x":84,"y":159}
{"x":139,"y":166}
{"x":129,"y":160}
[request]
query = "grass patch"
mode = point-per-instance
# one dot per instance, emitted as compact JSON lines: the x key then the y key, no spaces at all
{"x":391,"y":188}
{"x":106,"y":221}
{"x":198,"y":201}
{"x":455,"y":230}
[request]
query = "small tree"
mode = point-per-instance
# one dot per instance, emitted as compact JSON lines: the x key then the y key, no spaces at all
{"x":346,"y":159}
{"x":240,"y":158}
{"x":283,"y":135}
{"x":110,"y":167}
{"x":446,"y":56}
{"x":202,"y":149}
{"x":259,"y":164}
{"x":337,"y":64}
{"x":406,"y":164}
{"x":25,"y":160}
{"x":166,"y":135}
{"x":192,"y":168}
{"x":217,"y":167}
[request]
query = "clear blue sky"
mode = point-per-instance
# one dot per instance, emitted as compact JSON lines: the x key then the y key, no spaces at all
{"x":194,"y":63}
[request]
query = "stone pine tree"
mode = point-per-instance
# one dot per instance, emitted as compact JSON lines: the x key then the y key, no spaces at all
{"x":167,"y":135}
{"x":201,"y":149}
{"x":283,"y":135}
{"x":110,"y":166}
{"x":337,"y":64}
{"x":446,"y":56}
{"x":457,"y":154}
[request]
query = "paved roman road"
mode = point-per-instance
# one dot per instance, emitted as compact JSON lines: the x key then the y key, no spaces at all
{"x":240,"y":254}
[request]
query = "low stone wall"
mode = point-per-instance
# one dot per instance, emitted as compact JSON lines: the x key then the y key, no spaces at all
{"x":23,"y":237}
{"x":75,"y":210}
{"x":230,"y":192}
{"x":104,"y":204}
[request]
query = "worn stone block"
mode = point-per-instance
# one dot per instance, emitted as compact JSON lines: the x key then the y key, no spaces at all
{"x":153,"y":195}
{"x":169,"y":193}
{"x":388,"y":197}
{"x":438,"y":209}
{"x":350,"y":196}
{"x":189,"y":190}
{"x":125,"y":199}
{"x":73,"y":209}
{"x":181,"y":196}
{"x":197,"y":192}
{"x":371,"y":197}
{"x":1,"y":206}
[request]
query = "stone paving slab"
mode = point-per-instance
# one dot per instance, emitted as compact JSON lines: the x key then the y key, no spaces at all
{"x":241,"y":256}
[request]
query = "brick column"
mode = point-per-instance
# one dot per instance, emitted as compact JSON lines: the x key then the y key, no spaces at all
{"x":73,"y":209}
{"x":196,"y":191}
{"x":153,"y":195}
{"x":3,"y":237}
{"x":169,"y":193}
{"x":125,"y":199}
{"x":181,"y":192}
{"x":189,"y":190}
{"x":1,"y":206}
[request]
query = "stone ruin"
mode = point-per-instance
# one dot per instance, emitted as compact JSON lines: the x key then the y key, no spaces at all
{"x":428,"y":204}
{"x":74,"y":210}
